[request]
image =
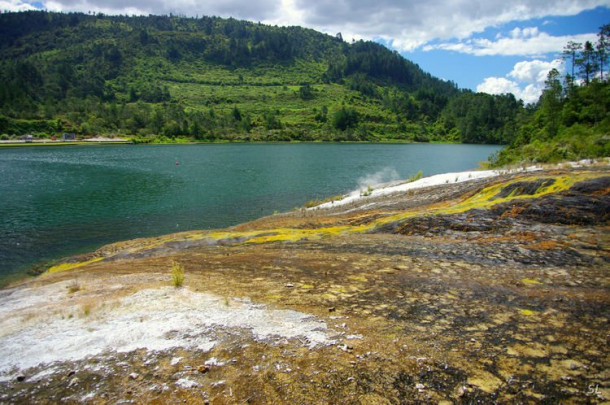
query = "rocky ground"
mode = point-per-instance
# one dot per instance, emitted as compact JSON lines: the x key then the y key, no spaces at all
{"x":494,"y":290}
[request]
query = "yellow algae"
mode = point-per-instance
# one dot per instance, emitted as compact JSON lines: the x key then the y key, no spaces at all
{"x":527,"y":312}
{"x":485,"y":381}
{"x":530,"y":281}
{"x":484,"y":199}
{"x":70,"y":266}
{"x":358,"y":278}
{"x":308,"y":286}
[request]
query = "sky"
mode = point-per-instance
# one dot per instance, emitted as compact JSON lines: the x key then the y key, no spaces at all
{"x":492,"y":46}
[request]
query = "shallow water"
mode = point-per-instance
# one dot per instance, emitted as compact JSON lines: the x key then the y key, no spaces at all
{"x":64,"y":200}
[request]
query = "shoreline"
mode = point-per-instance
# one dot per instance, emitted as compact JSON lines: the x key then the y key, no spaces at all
{"x":403,"y":186}
{"x":92,"y":141}
{"x":378,"y":193}
{"x":187,"y":141}
{"x":443,"y":278}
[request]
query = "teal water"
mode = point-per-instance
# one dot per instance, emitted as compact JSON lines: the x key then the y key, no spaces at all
{"x":59,"y":201}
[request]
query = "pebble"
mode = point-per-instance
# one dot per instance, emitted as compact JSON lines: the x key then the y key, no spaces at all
{"x":73,"y":382}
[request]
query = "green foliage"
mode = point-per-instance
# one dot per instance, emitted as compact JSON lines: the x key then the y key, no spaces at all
{"x":177,"y":274}
{"x":483,"y":118}
{"x":571,"y":123}
{"x":164,"y":78}
{"x":415,"y":177}
{"x":345,"y":118}
{"x":579,"y":128}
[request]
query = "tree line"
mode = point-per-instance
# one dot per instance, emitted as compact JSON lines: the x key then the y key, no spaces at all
{"x":210,"y":78}
{"x":571,"y":120}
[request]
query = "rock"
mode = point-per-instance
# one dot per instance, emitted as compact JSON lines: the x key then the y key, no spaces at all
{"x":331,"y":309}
{"x":134,"y":376}
{"x":203,"y":368}
{"x":73,"y":382}
{"x":20,"y":378}
{"x":289,"y":285}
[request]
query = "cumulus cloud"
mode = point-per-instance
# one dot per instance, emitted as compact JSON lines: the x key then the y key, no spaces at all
{"x":256,"y":10}
{"x":526,"y":80}
{"x":15,"y":5}
{"x":413,"y":23}
{"x":520,"y":42}
{"x":405,"y":24}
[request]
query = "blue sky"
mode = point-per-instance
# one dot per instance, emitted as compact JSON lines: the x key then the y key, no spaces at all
{"x":443,"y":63}
{"x":469,"y":69}
{"x":495,"y":46}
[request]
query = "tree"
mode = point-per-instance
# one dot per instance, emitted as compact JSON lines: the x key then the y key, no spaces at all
{"x":345,"y":118}
{"x":571,"y":51}
{"x":587,"y":62}
{"x":603,"y":48}
{"x":551,"y":102}
{"x":306,"y":92}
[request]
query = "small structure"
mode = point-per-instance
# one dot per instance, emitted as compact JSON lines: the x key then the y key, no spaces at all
{"x":69,"y":136}
{"x":28,"y":138}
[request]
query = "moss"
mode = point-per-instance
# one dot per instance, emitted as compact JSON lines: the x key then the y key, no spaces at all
{"x":71,"y":266}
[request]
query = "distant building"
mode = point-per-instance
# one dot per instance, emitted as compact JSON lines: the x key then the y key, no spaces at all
{"x":69,"y":136}
{"x":28,"y":138}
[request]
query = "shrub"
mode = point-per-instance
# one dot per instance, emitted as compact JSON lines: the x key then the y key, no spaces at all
{"x":177,"y":274}
{"x":73,"y":287}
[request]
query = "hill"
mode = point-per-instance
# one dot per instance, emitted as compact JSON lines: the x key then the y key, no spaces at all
{"x":163,"y":77}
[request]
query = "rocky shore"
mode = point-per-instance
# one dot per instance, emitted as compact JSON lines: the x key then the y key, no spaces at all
{"x":491,"y":290}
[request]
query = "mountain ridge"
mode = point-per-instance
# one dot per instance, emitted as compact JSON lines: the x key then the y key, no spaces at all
{"x":210,"y":78}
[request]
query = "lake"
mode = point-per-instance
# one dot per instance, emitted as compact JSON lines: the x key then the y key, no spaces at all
{"x":59,"y":201}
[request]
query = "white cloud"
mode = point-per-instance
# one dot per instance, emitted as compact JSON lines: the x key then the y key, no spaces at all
{"x":534,"y":71}
{"x":527,"y":80}
{"x":498,"y":85}
{"x":15,"y":5}
{"x":520,"y":42}
{"x":408,"y":24}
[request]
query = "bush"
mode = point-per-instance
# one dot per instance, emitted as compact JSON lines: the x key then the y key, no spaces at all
{"x":177,"y":274}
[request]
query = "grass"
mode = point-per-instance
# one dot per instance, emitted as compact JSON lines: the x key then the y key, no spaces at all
{"x":177,"y":274}
{"x":315,"y":203}
{"x":73,"y":287}
{"x":415,"y":177}
{"x":367,"y":192}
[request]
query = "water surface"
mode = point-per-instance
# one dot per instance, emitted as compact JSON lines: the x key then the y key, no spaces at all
{"x":64,"y":200}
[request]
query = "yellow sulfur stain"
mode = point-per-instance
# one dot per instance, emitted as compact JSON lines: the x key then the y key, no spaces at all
{"x":530,"y":281}
{"x":71,"y":266}
{"x":527,"y":312}
{"x":484,"y":199}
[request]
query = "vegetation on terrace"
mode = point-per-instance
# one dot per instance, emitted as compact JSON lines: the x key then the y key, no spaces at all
{"x":172,"y":79}
{"x":164,"y":77}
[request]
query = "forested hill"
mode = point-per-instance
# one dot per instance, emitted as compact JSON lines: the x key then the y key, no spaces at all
{"x":208,"y":78}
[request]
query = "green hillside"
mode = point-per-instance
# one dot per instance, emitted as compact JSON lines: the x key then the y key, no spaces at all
{"x":158,"y":78}
{"x":167,"y":78}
